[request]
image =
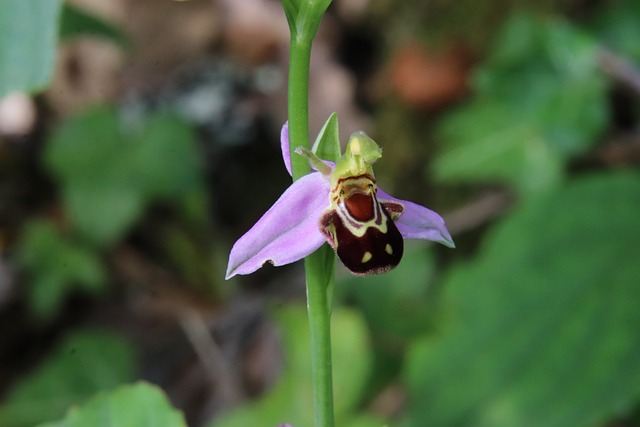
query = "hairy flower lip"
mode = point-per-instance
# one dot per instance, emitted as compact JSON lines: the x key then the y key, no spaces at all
{"x":290,"y":229}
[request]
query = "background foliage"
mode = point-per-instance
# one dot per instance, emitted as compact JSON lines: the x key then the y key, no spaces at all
{"x":116,"y":219}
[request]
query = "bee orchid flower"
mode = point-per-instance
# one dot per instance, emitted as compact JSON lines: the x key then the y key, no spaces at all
{"x":342,"y":205}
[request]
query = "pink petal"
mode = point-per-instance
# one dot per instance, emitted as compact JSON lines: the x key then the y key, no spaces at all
{"x":284,"y":146}
{"x":287,"y":232}
{"x":418,"y":222}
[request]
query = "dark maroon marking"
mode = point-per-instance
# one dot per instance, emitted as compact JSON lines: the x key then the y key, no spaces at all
{"x":328,"y":217}
{"x":360,"y":206}
{"x":351,"y":249}
{"x":394,"y":209}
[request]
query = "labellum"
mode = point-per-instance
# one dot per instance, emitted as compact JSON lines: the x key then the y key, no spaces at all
{"x":360,"y":228}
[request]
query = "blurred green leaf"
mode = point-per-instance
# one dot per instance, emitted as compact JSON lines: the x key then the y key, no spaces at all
{"x":76,"y":22}
{"x":110,"y":173}
{"x":540,"y":99}
{"x":545,"y":70}
{"x":84,"y":364}
{"x":166,"y":159}
{"x":291,"y":399}
{"x":136,"y":405}
{"x":28,"y":36}
{"x":56,"y":265}
{"x":489,"y":142}
{"x":546,"y":319}
{"x":617,"y":25}
{"x":103,"y":213}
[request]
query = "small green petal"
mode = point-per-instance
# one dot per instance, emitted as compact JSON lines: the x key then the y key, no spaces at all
{"x":327,"y":145}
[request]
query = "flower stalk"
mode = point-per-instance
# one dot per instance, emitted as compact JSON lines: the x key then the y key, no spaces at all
{"x":319,"y":269}
{"x":304,"y":18}
{"x":298,"y":103}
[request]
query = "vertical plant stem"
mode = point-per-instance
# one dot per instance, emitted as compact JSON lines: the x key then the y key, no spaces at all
{"x":319,"y":266}
{"x":298,"y":102}
{"x":319,"y":281}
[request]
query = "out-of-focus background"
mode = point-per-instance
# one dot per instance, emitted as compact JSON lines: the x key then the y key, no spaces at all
{"x":126,"y":179}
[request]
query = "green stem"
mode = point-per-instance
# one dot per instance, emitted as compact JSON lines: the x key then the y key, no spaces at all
{"x":320,"y":265}
{"x":299,"y":58}
{"x":320,"y":276}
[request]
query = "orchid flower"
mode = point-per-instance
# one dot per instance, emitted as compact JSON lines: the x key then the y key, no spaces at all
{"x":339,"y":204}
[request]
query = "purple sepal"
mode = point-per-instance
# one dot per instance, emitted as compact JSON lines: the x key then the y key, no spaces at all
{"x":418,"y":222}
{"x":284,"y":146}
{"x":287,"y":232}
